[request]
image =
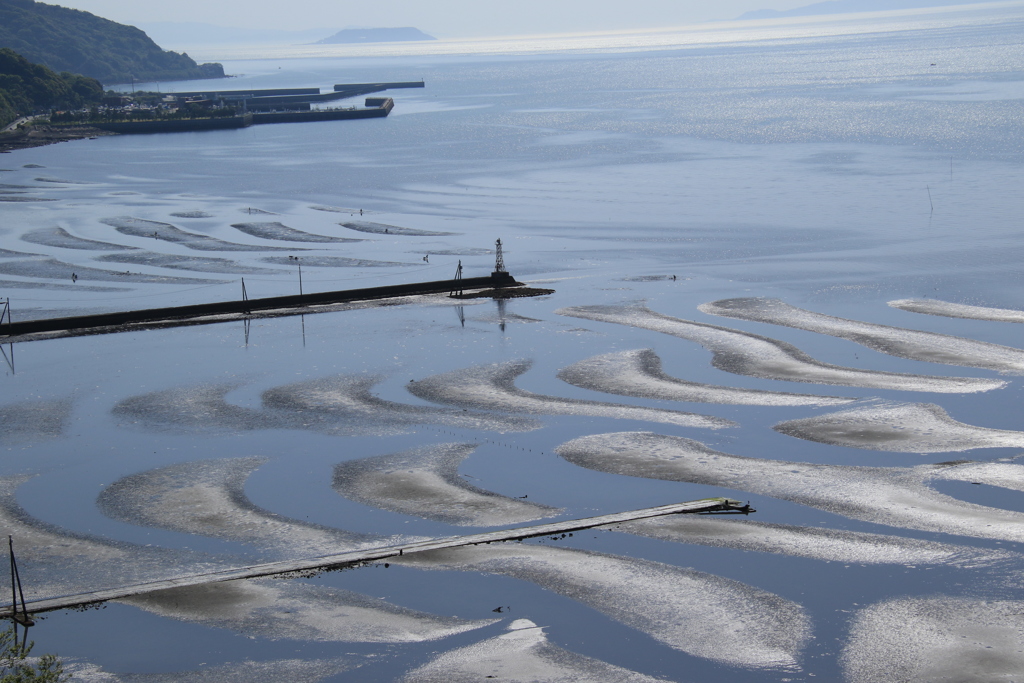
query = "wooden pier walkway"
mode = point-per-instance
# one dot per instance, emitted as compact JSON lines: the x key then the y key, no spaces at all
{"x":356,"y":557}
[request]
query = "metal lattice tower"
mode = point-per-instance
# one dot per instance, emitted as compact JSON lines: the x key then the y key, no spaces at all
{"x":499,"y":259}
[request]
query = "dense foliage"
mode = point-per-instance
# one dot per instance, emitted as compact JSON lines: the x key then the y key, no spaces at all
{"x":16,"y":668}
{"x":26,"y":87}
{"x":71,"y":40}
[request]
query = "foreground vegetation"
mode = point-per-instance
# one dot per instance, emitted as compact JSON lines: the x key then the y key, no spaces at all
{"x":15,"y":667}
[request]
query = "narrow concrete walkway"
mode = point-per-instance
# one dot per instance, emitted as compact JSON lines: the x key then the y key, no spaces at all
{"x":707,"y":505}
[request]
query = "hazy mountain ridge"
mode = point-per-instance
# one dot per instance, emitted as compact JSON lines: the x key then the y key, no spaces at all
{"x":849,"y":6}
{"x":79,"y":42}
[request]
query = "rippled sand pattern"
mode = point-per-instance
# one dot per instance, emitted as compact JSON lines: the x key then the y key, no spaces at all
{"x":34,"y":420}
{"x":425,"y":483}
{"x":895,"y":496}
{"x":335,"y":405}
{"x":52,"y":269}
{"x":931,"y":640}
{"x":140,"y":227}
{"x":492,"y":387}
{"x":278,"y":231}
{"x":900,"y":428}
{"x":523,"y":655}
{"x":333,"y":262}
{"x":894,"y":341}
{"x":948,"y":309}
{"x":61,"y":562}
{"x":639,"y":374}
{"x":291,"y":670}
{"x":1001,"y":474}
{"x":61,"y":238}
{"x":828,"y":545}
{"x":697,"y":613}
{"x":275,"y":609}
{"x":743,"y":353}
{"x":349,"y":398}
{"x":177,"y":262}
{"x":382,"y":229}
{"x":208,"y":498}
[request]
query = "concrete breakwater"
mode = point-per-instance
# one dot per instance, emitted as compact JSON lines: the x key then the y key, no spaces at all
{"x":373,"y":111}
{"x":376,"y":108}
{"x":176,"y":125}
{"x":200,"y":314}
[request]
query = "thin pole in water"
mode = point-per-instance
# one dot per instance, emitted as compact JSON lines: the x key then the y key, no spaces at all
{"x":300,"y":280}
{"x":930,"y":198}
{"x":16,"y":590}
{"x":14,"y":585}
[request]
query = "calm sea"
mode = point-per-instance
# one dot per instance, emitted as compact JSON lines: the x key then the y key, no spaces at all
{"x":836,"y":165}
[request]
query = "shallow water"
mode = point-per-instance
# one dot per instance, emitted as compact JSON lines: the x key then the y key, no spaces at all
{"x":862,"y":173}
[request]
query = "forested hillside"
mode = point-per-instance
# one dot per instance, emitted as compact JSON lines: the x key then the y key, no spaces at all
{"x":79,"y":42}
{"x":26,"y":87}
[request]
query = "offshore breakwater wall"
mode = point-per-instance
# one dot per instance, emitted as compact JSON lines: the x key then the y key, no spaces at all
{"x":378,"y":111}
{"x":197,"y":314}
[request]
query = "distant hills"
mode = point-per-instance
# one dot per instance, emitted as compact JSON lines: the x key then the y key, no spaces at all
{"x":376,"y":35}
{"x":845,"y":6}
{"x":79,"y":42}
{"x":26,"y":87}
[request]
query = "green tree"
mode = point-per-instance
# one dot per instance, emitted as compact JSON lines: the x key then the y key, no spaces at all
{"x":26,"y":87}
{"x":15,"y":666}
{"x":71,"y":40}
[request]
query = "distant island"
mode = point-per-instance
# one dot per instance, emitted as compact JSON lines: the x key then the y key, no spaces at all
{"x":376,"y":35}
{"x":79,"y":42}
{"x":849,"y":6}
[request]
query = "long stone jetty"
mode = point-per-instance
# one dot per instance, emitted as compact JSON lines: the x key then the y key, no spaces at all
{"x":198,"y":314}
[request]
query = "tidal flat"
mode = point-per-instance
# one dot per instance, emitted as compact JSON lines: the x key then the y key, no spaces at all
{"x":785,"y":263}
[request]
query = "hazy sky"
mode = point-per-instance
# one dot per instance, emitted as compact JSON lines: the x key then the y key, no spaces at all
{"x":444,"y":18}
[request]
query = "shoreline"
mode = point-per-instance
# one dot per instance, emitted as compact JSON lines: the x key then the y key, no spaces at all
{"x":38,"y":135}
